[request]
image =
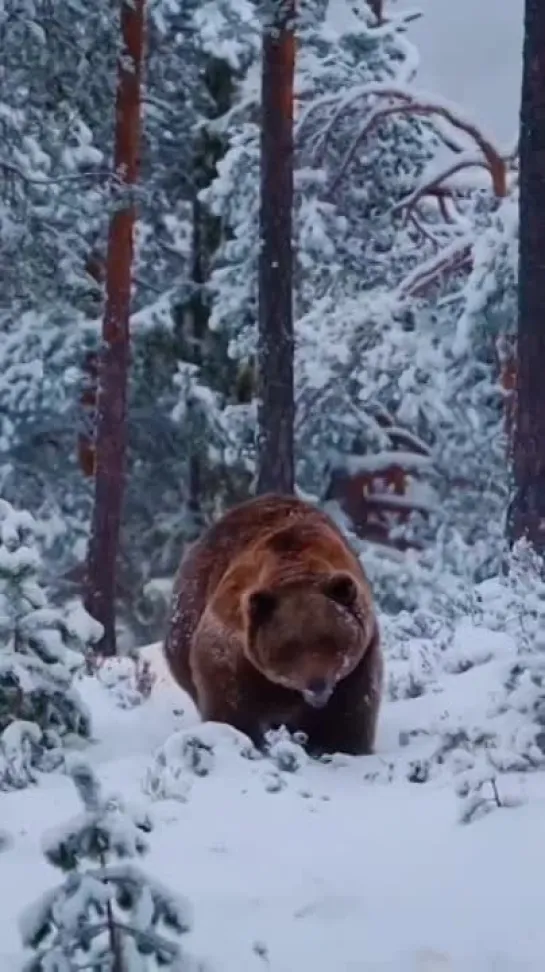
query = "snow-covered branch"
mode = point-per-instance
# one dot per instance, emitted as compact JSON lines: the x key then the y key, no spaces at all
{"x":432,"y":185}
{"x":9,"y":169}
{"x":402,"y":100}
{"x":450,"y":259}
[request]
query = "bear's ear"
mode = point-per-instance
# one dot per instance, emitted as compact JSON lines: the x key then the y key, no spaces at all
{"x":260,"y":605}
{"x":342,"y":589}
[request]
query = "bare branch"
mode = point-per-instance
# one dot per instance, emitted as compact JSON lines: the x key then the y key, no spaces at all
{"x":442,"y":195}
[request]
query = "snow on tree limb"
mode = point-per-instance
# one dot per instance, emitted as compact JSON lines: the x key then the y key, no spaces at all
{"x":415,"y":103}
{"x":433,"y":185}
{"x":456,"y":256}
{"x":10,"y":169}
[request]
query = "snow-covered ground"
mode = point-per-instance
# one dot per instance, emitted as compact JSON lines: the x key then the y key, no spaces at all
{"x":355,"y":864}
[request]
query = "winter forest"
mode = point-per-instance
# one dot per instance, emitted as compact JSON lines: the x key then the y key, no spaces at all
{"x":244,"y":250}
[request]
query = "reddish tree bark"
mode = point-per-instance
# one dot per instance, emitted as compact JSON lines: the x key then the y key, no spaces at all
{"x":115,"y":350}
{"x":88,"y":404}
{"x":276,"y":408}
{"x":527,"y":509}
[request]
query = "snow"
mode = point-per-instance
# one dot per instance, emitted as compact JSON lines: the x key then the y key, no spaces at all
{"x":296,"y":864}
{"x":381,"y":461}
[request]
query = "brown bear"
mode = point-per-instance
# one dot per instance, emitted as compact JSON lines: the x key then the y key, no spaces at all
{"x":272,"y":622}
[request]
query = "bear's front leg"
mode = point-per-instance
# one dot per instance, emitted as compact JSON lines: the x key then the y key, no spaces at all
{"x":213,"y":709}
{"x":348,"y":723}
{"x":340,"y":730}
{"x":224,"y":690}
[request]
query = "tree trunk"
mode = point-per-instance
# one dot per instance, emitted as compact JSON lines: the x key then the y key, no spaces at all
{"x":115,"y":350}
{"x":275,"y":450}
{"x":527,"y":509}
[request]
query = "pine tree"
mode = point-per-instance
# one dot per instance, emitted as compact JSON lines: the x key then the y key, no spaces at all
{"x":57,"y":74}
{"x":396,"y":308}
{"x":527,"y":510}
{"x":113,"y":372}
{"x":55,"y":83}
{"x":346,"y":239}
{"x":276,"y":340}
{"x":199,"y":54}
{"x":41,"y":650}
{"x":108,"y":915}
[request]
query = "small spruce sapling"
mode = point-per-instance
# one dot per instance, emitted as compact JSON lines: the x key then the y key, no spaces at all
{"x":108,"y":915}
{"x":41,"y":651}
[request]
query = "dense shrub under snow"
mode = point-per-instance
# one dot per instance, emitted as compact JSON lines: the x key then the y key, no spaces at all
{"x":41,"y":651}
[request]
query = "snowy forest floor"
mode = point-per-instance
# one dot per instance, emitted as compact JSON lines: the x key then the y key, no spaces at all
{"x":333,"y":867}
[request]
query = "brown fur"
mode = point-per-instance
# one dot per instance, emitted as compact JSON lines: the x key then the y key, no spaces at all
{"x":268,"y":604}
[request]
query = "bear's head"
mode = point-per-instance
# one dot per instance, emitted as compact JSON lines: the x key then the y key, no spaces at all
{"x":307,"y":636}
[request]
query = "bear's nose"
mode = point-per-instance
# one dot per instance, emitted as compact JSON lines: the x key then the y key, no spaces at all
{"x":318,"y":692}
